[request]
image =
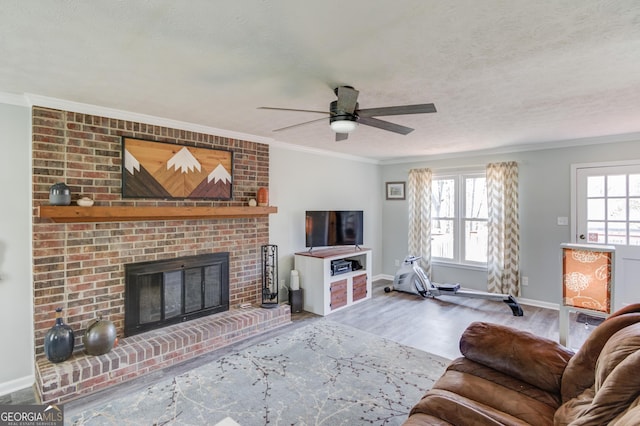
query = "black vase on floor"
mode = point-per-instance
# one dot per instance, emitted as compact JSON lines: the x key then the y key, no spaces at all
{"x":59,"y":340}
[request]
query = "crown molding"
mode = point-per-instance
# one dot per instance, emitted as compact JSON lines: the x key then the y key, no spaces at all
{"x":538,"y":146}
{"x":13,"y":99}
{"x":322,"y":152}
{"x":83,"y":108}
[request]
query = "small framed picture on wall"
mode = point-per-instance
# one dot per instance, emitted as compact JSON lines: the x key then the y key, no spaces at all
{"x":395,"y":190}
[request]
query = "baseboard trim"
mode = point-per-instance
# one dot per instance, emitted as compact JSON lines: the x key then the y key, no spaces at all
{"x":539,"y":304}
{"x":382,"y":277}
{"x":17,"y":384}
{"x":522,"y":301}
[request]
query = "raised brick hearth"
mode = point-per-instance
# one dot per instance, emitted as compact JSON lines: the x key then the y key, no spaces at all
{"x":141,"y":354}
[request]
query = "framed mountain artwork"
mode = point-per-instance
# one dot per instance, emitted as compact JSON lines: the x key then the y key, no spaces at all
{"x":163,"y":170}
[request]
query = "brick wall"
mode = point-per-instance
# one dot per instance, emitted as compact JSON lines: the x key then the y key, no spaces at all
{"x":79,"y":267}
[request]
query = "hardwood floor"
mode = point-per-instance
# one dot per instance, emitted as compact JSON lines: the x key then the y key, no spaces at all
{"x":436,"y":324}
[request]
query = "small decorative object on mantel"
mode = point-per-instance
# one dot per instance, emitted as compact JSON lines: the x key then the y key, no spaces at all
{"x":59,"y":195}
{"x":84,"y":202}
{"x":269,"y":276}
{"x":100,"y":337}
{"x":59,"y":340}
{"x":252,"y":202}
{"x":263,"y":197}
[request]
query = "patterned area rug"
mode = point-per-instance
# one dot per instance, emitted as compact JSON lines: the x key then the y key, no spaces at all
{"x":322,"y":373}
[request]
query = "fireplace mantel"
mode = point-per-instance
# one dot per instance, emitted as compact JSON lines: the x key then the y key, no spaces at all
{"x":77,"y":214}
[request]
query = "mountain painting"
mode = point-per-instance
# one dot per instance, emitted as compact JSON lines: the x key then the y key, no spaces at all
{"x":163,"y":170}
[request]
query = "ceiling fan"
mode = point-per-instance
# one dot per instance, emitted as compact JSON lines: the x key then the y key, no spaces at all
{"x":344,"y":114}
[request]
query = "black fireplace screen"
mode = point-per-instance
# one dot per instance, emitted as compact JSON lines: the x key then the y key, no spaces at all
{"x":166,"y":292}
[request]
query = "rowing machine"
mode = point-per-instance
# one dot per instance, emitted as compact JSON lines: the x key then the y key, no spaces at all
{"x":411,"y":278}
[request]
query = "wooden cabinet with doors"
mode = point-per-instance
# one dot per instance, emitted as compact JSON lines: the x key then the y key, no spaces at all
{"x":326,"y":291}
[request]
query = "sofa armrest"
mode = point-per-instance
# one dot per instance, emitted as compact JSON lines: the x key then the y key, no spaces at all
{"x":525,"y":356}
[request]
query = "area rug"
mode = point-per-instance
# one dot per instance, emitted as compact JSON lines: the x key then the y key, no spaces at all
{"x":322,"y":373}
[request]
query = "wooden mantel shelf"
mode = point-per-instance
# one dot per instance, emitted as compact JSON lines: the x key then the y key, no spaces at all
{"x":71,"y":214}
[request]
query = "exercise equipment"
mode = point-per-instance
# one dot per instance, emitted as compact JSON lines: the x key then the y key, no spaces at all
{"x":411,"y":278}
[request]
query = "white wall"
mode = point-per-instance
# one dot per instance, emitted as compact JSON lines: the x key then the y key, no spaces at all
{"x":544,"y":184}
{"x":16,"y":286}
{"x":302,"y":181}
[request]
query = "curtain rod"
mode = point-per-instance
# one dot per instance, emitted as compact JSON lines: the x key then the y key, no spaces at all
{"x":469,"y":166}
{"x":442,"y":169}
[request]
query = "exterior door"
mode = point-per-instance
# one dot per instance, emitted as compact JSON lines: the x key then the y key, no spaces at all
{"x":607,"y":211}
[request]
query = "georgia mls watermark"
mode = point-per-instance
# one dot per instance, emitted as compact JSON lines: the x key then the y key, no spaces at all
{"x":31,"y":415}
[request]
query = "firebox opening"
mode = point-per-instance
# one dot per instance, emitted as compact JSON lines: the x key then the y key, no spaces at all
{"x":164,"y":292}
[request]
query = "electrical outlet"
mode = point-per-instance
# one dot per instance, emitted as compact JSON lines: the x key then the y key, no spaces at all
{"x":525,"y":281}
{"x":396,"y":262}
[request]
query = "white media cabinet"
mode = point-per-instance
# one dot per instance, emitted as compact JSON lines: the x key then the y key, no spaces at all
{"x":325,"y":293}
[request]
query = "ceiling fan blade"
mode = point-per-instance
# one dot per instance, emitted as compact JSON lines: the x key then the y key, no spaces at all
{"x":347,"y":99}
{"x":293,"y":109}
{"x":397,"y":110}
{"x":385,"y":125}
{"x":341,"y":136}
{"x":299,"y":124}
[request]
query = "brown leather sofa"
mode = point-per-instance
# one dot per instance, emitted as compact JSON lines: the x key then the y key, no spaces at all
{"x":510,"y":377}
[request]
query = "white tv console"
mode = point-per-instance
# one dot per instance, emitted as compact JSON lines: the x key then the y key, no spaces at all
{"x":324,"y":292}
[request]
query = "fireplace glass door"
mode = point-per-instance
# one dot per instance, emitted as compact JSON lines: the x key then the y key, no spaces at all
{"x":171,"y":291}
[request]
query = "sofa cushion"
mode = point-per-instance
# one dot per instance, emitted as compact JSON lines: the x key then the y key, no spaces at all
{"x":525,"y":356}
{"x":493,"y":394}
{"x":580,"y":372}
{"x":630,"y":416}
{"x":465,"y":365}
{"x":459,"y":410}
{"x":619,"y":349}
{"x":616,"y":384}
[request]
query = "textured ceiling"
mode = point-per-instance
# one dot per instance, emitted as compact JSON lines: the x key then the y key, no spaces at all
{"x":500,"y":73}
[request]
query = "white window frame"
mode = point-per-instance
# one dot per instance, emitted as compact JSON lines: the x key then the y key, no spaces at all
{"x":459,"y":219}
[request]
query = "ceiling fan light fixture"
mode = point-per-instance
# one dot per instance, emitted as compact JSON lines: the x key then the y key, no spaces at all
{"x":345,"y":114}
{"x":343,"y":126}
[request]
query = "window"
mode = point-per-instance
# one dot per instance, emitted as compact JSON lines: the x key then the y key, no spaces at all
{"x":459,"y":218}
{"x":613,"y":209}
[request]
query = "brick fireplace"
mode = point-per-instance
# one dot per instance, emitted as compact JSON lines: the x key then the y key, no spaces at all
{"x":80,"y":266}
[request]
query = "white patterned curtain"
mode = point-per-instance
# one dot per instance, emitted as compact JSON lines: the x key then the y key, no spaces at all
{"x":419,"y":197}
{"x":503,"y":256}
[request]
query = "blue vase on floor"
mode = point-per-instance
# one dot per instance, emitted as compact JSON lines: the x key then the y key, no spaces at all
{"x":59,"y":340}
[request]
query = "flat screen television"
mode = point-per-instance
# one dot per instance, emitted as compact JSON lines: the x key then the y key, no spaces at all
{"x":325,"y":228}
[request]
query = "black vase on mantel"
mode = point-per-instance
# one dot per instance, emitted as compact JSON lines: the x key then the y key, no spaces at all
{"x":59,"y":340}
